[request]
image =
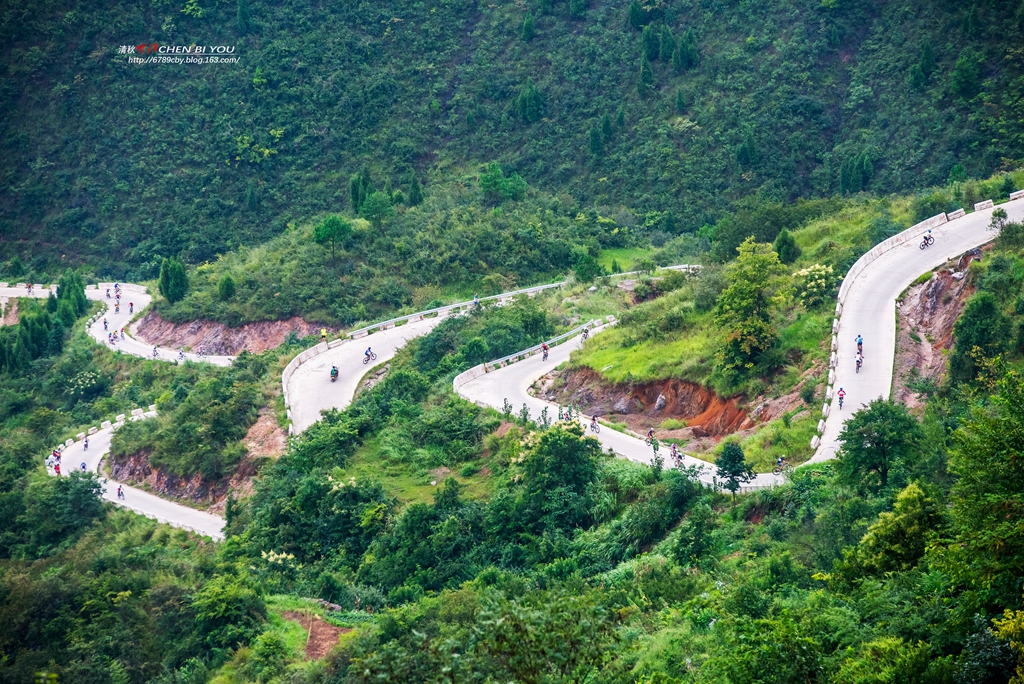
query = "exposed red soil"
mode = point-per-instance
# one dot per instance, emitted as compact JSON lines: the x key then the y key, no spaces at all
{"x":649,"y":404}
{"x":218,"y":338}
{"x":266,"y":437}
{"x":323,"y":636}
{"x":136,"y":470}
{"x":928,"y":312}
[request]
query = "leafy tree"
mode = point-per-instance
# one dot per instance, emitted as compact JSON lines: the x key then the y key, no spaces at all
{"x":335,"y":229}
{"x":680,"y":102}
{"x":637,"y":15}
{"x":695,"y":539}
{"x":982,"y":327}
{"x":744,"y":311}
{"x":785,"y":246}
{"x":758,"y":651}
{"x":645,"y":83}
{"x":555,"y":636}
{"x":964,"y":81}
{"x":375,"y":208}
{"x":56,"y":507}
{"x":226,"y":287}
{"x":415,"y":192}
{"x":596,"y":146}
{"x":886,"y":659}
{"x":585,"y":266}
{"x":732,"y":467}
{"x":986,"y":460}
{"x":497,"y":187}
{"x":577,"y":8}
{"x":229,"y":611}
{"x":606,"y":127}
{"x":666,"y":44}
{"x":897,"y":540}
{"x":876,"y":440}
{"x":556,"y":475}
{"x":529,"y":31}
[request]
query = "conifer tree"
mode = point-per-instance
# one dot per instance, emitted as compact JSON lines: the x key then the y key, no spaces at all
{"x":645,"y":83}
{"x":242,"y":17}
{"x":680,"y":101}
{"x":415,"y":192}
{"x":637,"y":16}
{"x":596,"y":146}
{"x":529,"y":31}
{"x":666,"y":45}
{"x":650,"y":42}
{"x":606,"y":127}
{"x":620,"y":118}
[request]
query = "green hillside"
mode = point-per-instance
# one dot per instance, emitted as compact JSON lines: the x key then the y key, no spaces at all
{"x":118,"y":165}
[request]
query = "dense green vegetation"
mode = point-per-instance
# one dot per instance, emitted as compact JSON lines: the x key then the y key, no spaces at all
{"x":578,"y":565}
{"x":784,"y":100}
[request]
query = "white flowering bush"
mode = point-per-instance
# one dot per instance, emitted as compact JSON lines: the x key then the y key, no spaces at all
{"x":813,"y":284}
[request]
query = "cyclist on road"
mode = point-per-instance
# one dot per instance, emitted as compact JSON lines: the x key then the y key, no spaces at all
{"x":650,"y":435}
{"x":104,"y":323}
{"x":842,"y":395}
{"x":120,"y":492}
{"x":860,"y":344}
{"x":544,"y":348}
{"x":334,"y":373}
{"x":85,"y":443}
{"x":476,"y":300}
{"x":108,"y":293}
{"x":122,"y":333}
{"x":675,"y":452}
{"x":155,"y":352}
{"x":780,"y":461}
{"x":82,"y":466}
{"x":368,"y":352}
{"x":131,"y":307}
{"x":860,"y":360}
{"x":323,"y":334}
{"x":181,"y":353}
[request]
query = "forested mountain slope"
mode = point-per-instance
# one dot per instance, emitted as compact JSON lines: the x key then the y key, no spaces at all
{"x":119,"y":165}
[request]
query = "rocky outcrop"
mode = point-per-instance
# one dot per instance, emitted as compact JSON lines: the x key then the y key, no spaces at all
{"x":927,"y":315}
{"x":217,"y":338}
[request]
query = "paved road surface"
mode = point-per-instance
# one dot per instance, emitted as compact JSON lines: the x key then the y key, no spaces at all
{"x":138,"y":500}
{"x":116,"y":321}
{"x":870,"y":310}
{"x":310,"y":387}
{"x":513,"y":381}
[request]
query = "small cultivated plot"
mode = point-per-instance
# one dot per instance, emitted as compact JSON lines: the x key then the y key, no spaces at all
{"x":407,"y":476}
{"x":625,"y":257}
{"x":297,"y":634}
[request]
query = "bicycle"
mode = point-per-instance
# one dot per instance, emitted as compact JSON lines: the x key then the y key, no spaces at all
{"x":595,"y":427}
{"x":784,"y":469}
{"x":927,"y":241}
{"x":120,"y":494}
{"x":586,"y":333}
{"x":545,"y":355}
{"x":368,"y":357}
{"x":648,"y":441}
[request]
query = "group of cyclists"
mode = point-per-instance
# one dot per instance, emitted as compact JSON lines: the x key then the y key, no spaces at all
{"x":368,"y":356}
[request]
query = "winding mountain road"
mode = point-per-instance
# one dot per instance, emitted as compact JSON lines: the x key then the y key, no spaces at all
{"x":513,"y":382}
{"x":138,"y":500}
{"x":310,"y":386}
{"x":870,"y":311}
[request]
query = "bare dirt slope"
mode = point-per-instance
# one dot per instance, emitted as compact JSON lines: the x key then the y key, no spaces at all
{"x":924,"y":331}
{"x":218,"y":338}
